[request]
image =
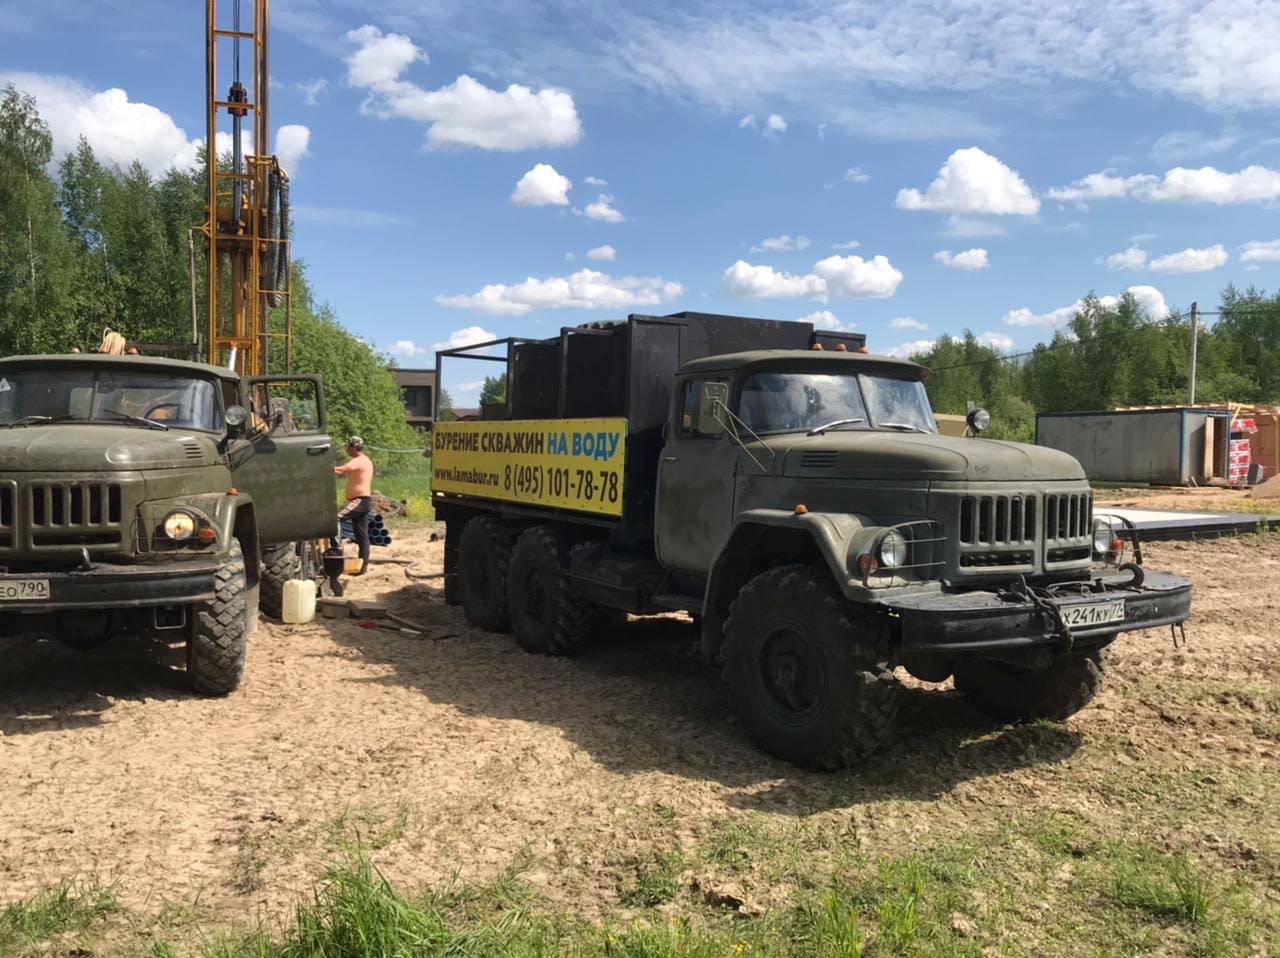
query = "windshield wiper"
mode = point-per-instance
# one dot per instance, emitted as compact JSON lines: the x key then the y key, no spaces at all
{"x":140,"y":420}
{"x":819,"y":430}
{"x":26,"y":421}
{"x":903,"y":425}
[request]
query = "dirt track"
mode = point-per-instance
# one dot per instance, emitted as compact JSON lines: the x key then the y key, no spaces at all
{"x":466,"y":754}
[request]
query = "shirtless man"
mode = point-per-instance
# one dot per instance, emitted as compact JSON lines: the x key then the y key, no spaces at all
{"x":359,"y":473}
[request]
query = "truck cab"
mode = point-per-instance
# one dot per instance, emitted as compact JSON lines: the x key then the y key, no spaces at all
{"x":143,"y":495}
{"x":799,"y":502}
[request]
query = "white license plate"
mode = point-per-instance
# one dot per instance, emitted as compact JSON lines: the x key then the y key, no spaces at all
{"x":24,"y":590}
{"x":1084,"y":616}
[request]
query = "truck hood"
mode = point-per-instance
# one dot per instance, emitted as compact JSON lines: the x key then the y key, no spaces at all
{"x":72,"y":447}
{"x":851,"y":454}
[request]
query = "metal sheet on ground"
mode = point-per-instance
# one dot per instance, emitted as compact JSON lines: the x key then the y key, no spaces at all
{"x":567,"y":463}
{"x":1175,"y":524}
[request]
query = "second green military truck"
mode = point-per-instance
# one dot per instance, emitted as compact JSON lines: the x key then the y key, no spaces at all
{"x":150,"y":496}
{"x":791,"y":492}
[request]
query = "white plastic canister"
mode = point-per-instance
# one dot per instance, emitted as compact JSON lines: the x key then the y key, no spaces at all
{"x":299,"y":603}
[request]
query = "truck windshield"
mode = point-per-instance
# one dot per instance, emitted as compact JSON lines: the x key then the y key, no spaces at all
{"x":60,"y":394}
{"x":793,"y":401}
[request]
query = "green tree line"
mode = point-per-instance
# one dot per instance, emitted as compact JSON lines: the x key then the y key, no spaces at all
{"x":87,"y":245}
{"x":1114,"y":355}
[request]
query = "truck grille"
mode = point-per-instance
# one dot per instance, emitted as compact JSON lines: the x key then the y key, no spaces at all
{"x":997,"y":520}
{"x":1067,"y":527}
{"x":72,"y":513}
{"x":7,"y":495}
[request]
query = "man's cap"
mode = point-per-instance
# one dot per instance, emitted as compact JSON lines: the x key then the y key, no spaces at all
{"x":355,"y":442}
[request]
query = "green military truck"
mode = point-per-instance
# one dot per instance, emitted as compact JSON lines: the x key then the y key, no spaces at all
{"x":150,"y":496}
{"x":792,"y":493}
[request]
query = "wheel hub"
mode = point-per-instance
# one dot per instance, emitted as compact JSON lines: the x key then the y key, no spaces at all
{"x":794,"y":674}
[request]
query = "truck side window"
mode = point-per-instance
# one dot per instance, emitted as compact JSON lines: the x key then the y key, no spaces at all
{"x":693,"y":425}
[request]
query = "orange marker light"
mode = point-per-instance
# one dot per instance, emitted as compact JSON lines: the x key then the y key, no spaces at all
{"x":801,"y":508}
{"x":1117,"y":545}
{"x":233,"y":491}
{"x":206,"y":534}
{"x":841,"y":348}
{"x":867,"y":564}
{"x":862,"y":349}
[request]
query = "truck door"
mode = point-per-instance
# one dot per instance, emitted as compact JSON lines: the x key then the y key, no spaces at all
{"x":285,"y":459}
{"x":694,"y":506}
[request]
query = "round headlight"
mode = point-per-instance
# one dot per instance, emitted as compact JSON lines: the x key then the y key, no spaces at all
{"x":1104,"y":538}
{"x":978,"y":420}
{"x":893,"y":550}
{"x":179,"y":525}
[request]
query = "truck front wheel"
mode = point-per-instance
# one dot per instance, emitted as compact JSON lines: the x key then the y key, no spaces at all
{"x":484,"y":561}
{"x":220,"y":629}
{"x":807,"y":671}
{"x":1013,"y":694}
{"x":547,"y":617}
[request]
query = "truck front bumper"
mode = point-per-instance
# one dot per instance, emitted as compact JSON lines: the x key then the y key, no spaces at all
{"x":113,"y":587}
{"x":980,"y":621}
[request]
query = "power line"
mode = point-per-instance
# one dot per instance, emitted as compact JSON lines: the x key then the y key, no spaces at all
{"x":1046,"y":347}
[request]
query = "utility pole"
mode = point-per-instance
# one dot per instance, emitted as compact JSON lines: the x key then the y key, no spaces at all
{"x":1195,"y":336}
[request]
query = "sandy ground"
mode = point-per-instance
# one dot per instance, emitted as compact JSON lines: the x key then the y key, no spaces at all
{"x":464,"y":755}
{"x":1210,"y":499}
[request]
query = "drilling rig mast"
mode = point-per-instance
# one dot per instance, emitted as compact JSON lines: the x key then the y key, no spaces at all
{"x":247,"y":225}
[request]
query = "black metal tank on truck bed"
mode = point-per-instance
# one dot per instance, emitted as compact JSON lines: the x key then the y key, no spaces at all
{"x":791,"y":492}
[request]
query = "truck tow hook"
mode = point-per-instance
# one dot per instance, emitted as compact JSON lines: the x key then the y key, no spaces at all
{"x":86,"y":564}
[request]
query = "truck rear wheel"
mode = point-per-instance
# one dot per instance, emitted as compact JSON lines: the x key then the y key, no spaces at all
{"x":220,"y":629}
{"x":484,"y":562}
{"x":279,"y":564}
{"x":547,"y":617}
{"x":807,"y":671}
{"x":1013,"y":694}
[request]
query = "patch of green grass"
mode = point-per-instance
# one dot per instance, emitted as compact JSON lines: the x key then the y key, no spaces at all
{"x":70,"y":907}
{"x":735,"y":842}
{"x":656,"y":882}
{"x":1167,"y":887}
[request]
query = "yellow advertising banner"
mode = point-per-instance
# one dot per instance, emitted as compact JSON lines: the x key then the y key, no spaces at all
{"x":569,"y":463}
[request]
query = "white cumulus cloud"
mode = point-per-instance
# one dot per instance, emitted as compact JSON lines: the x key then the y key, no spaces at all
{"x":973,"y":181}
{"x":975,"y":258}
{"x":1253,"y":184}
{"x":850,"y":276}
{"x":1132,"y":258}
{"x":1259,"y":251}
{"x":465,"y":113}
{"x":605,"y":253}
{"x":1191,"y":260}
{"x":292,"y":143}
{"x":467,"y":336}
{"x":851,"y":244}
{"x":585,"y":289}
{"x":542,"y":186}
{"x":1149,"y":298}
{"x":594,"y":181}
{"x":782,"y":244}
{"x":825,"y":319}
{"x":906,"y":322}
{"x":602,"y":208}
{"x":775,"y":124}
{"x":913,"y":348}
{"x":854,"y":174}
{"x":997,"y":341}
{"x":312,"y":90}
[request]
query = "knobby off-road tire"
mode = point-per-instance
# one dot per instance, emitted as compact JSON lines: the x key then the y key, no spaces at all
{"x":807,"y":671}
{"x":220,"y":629}
{"x":547,"y":617}
{"x":1012,"y":694}
{"x":484,"y":562}
{"x":279,"y":564}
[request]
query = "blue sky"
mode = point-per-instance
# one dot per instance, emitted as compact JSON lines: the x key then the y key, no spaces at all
{"x":455,"y":165}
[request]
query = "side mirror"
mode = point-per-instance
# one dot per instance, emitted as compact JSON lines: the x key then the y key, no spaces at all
{"x":978,"y":420}
{"x":713,"y":395}
{"x":236,"y":417}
